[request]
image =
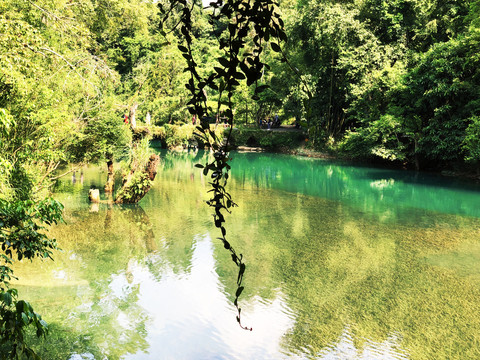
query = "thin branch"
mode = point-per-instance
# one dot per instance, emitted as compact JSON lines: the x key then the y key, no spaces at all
{"x":52,"y":179}
{"x":50,"y":169}
{"x":71,"y":66}
{"x":45,"y":11}
{"x":75,"y":168}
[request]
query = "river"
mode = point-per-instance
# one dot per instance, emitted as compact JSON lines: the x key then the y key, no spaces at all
{"x":343,"y":262}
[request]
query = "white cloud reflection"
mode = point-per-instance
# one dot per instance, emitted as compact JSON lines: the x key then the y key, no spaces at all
{"x":191,"y":318}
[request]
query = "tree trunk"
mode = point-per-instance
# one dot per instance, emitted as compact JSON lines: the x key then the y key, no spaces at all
{"x":330,"y":97}
{"x":94,"y":195}
{"x":133,"y":111}
{"x":417,"y":160}
{"x":110,"y":177}
{"x":136,"y":186}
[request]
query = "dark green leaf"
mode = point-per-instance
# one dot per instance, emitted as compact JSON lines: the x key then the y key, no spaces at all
{"x":239,"y":291}
{"x":223,"y":61}
{"x":239,"y":76}
{"x":261,"y":88}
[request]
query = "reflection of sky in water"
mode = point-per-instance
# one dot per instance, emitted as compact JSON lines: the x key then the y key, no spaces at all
{"x":190,"y":317}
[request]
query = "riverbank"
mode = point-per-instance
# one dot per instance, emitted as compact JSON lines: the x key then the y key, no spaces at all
{"x":304,"y":151}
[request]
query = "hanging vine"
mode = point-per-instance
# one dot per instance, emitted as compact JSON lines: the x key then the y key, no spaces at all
{"x":242,"y":28}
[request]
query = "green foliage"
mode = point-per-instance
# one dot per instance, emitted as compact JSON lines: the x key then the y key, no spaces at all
{"x":172,"y":136}
{"x":428,"y":103}
{"x":22,"y":227}
{"x":21,"y":235}
{"x":356,"y":66}
{"x":471,"y":143}
{"x":122,"y":30}
{"x":6,"y":121}
{"x":442,"y":91}
{"x":16,"y":316}
{"x":157,"y":82}
{"x":380,"y":139}
{"x":474,"y":14}
{"x":69,"y":71}
{"x":54,"y":87}
{"x":139,"y":153}
{"x":134,"y":188}
{"x":335,"y":54}
{"x":416,"y":24}
{"x":272,"y":140}
{"x":104,"y":136}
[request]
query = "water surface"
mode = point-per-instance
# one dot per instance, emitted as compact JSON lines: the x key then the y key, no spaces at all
{"x":343,"y":262}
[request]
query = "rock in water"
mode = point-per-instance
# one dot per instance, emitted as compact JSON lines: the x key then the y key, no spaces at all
{"x":94,"y":195}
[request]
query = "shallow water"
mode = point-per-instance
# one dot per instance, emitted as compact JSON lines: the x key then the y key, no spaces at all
{"x":343,"y":262}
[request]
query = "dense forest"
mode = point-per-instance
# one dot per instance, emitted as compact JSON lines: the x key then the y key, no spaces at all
{"x":396,"y":81}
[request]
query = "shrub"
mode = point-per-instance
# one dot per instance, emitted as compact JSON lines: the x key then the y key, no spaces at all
{"x":172,"y":136}
{"x":471,"y":144}
{"x":272,"y":140}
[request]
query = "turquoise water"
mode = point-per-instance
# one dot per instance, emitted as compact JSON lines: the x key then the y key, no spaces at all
{"x":361,"y":187}
{"x":343,"y":262}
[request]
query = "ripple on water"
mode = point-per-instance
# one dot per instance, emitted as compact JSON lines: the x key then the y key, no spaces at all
{"x":345,"y":349}
{"x":84,"y":356}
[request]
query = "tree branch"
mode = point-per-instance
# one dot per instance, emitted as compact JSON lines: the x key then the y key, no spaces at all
{"x":71,"y":66}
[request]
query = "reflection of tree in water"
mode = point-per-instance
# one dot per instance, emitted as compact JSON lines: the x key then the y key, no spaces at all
{"x":345,"y":273}
{"x":363,"y":187}
{"x":108,"y":325}
{"x":340,"y":269}
{"x":138,"y":217}
{"x":105,"y":317}
{"x":372,"y":281}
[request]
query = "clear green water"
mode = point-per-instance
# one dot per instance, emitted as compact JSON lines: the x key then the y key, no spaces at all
{"x":343,"y":262}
